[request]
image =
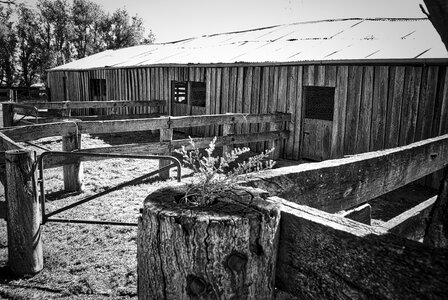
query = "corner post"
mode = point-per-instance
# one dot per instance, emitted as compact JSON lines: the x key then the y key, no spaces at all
{"x":25,"y":254}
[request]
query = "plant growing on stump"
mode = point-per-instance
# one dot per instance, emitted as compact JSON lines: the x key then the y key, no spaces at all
{"x":216,"y":174}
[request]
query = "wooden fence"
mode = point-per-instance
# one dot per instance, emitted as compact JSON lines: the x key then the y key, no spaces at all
{"x":44,"y":112}
{"x":20,"y":158}
{"x":322,"y":251}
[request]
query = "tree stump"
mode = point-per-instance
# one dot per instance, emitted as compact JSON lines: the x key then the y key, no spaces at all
{"x":226,"y":250}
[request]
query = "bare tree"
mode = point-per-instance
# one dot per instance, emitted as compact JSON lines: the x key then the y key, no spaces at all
{"x":438,"y":15}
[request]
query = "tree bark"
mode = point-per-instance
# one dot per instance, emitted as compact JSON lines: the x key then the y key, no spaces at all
{"x":226,"y":250}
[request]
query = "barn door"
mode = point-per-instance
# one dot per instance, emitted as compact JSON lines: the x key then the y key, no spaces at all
{"x":188,"y":99}
{"x":317,"y":122}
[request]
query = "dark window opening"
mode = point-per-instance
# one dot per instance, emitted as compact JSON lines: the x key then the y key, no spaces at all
{"x":180,"y":92}
{"x":197,"y":94}
{"x":319,"y":102}
{"x":98,"y":88}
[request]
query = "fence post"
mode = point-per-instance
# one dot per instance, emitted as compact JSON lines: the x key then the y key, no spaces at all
{"x":23,"y":213}
{"x":73,"y":174}
{"x":274,"y":126}
{"x":8,"y":115}
{"x":166,"y":135}
{"x":227,"y":129}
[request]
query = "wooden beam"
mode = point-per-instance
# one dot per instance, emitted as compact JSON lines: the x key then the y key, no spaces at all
{"x":436,"y":234}
{"x":94,"y":104}
{"x":232,"y":139}
{"x":7,"y":143}
{"x":412,"y":223}
{"x":362,"y":214}
{"x":325,"y":256}
{"x":155,"y":148}
{"x":231,"y":118}
{"x":26,"y":110}
{"x":340,"y":184}
{"x":38,"y":131}
{"x":113,"y":126}
{"x":27,"y":133}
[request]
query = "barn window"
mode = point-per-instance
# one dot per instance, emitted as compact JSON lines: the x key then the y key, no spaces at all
{"x":197,"y":92}
{"x":98,"y":88}
{"x":319,"y":102}
{"x":179,"y":91}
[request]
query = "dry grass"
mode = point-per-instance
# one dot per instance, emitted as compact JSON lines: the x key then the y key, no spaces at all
{"x":87,"y":261}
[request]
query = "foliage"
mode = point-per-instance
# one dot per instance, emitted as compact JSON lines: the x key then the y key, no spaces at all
{"x":57,"y":32}
{"x":8,"y":42}
{"x":216,"y":173}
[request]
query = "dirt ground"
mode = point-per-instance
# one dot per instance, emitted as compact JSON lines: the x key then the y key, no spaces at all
{"x":98,"y":261}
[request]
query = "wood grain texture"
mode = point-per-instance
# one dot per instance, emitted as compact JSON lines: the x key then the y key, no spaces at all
{"x":255,"y":102}
{"x":428,"y":92}
{"x":361,"y":214}
{"x":365,"y":111}
{"x":340,"y":184}
{"x":339,"y":116}
{"x":291,"y":107}
{"x":412,"y":223}
{"x":394,"y":105}
{"x":24,"y":217}
{"x":379,"y":107}
{"x":226,"y":250}
{"x":297,"y":132}
{"x":324,"y":256}
{"x":410,"y":105}
{"x":436,"y":234}
{"x":73,"y":174}
{"x":355,"y":77}
{"x":166,"y":136}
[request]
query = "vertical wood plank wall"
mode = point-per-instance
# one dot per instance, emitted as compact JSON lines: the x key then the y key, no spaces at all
{"x":376,"y":107}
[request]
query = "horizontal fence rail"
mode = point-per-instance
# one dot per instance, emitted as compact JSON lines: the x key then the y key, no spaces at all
{"x":27,"y":133}
{"x":33,"y":106}
{"x":341,"y":184}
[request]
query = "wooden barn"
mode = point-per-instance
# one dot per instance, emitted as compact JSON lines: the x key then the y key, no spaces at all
{"x":351,"y":85}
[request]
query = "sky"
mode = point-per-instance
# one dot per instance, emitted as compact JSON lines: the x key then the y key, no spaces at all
{"x":172,"y":20}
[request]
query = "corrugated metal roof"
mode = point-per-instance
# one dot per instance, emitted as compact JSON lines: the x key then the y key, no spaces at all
{"x":317,"y":41}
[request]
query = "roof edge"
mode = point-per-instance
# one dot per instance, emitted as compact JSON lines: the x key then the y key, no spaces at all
{"x":405,"y":61}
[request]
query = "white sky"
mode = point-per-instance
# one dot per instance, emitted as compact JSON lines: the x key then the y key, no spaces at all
{"x":178,"y":19}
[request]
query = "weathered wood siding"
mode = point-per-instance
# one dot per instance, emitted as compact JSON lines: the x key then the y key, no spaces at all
{"x":376,"y":106}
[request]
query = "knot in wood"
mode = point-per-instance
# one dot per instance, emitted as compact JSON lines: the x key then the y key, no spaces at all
{"x":237,"y":262}
{"x":196,"y":286}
